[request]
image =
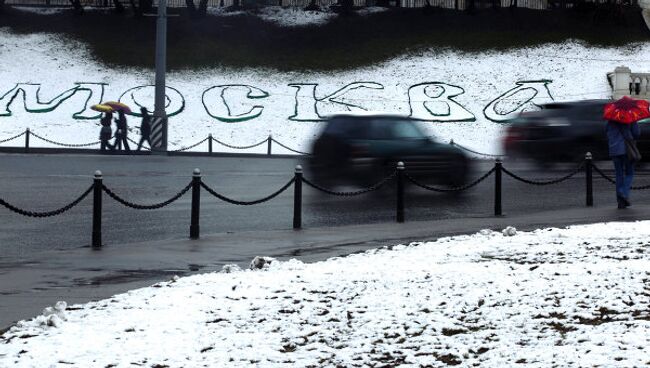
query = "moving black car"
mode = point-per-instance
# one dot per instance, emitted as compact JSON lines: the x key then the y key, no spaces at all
{"x":363,"y":149}
{"x":564,"y":132}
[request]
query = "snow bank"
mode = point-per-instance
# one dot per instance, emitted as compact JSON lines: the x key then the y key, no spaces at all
{"x":554,"y":297}
{"x":48,"y":84}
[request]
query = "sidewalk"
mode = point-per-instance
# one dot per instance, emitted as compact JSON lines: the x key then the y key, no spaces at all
{"x":83,"y":274}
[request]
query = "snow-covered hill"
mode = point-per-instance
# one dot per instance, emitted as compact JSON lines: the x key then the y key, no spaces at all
{"x":47,"y":83}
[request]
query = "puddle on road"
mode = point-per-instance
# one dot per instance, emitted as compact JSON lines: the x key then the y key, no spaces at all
{"x":125,"y":276}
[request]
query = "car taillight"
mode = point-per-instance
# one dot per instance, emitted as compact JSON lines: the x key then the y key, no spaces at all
{"x":513,"y":134}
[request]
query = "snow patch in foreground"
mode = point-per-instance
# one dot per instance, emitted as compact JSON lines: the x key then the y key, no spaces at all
{"x":553,"y":297}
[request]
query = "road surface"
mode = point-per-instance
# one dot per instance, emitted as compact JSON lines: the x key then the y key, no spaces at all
{"x":46,"y":182}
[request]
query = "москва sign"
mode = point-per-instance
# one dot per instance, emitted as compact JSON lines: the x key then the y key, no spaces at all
{"x":235,"y":103}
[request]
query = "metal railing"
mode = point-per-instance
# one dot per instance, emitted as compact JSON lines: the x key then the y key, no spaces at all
{"x":401,"y":175}
{"x":269,"y":141}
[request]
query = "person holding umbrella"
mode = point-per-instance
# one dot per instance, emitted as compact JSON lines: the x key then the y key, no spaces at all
{"x":122,"y":128}
{"x":622,"y":131}
{"x":106,"y":132}
{"x":120,"y":134}
{"x":145,"y":128}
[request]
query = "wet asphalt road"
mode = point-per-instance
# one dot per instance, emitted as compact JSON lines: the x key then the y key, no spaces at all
{"x":46,"y":182}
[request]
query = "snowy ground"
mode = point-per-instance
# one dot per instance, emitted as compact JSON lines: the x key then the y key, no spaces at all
{"x":554,"y":297}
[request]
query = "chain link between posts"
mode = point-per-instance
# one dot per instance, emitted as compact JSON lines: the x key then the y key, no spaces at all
{"x":238,"y":147}
{"x":613,"y":181}
{"x":146,"y":207}
{"x":12,"y":138}
{"x":289,"y":149}
{"x":248,"y":203}
{"x":371,"y":188}
{"x":73,"y":145}
{"x":190,"y":147}
{"x":455,"y":189}
{"x":548,"y":182}
{"x":64,"y":144}
{"x":47,"y":213}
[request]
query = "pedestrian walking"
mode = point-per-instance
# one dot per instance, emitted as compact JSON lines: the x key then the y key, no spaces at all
{"x":106,"y":132}
{"x":145,"y":128}
{"x":617,"y":135}
{"x":121,"y":133}
{"x":622,"y":131}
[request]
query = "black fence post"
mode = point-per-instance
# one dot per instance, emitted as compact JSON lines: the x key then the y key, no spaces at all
{"x":400,"y":192}
{"x":268,"y":145}
{"x":297,"y":198}
{"x":589,"y":179}
{"x":27,"y":132}
{"x":497,"y":187}
{"x":210,"y":143}
{"x":97,"y":210}
{"x":196,"y":204}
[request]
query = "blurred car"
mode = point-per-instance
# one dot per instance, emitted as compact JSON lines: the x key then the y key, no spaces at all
{"x":363,"y":149}
{"x":563,"y":132}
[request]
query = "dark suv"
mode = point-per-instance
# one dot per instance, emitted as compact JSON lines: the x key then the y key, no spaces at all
{"x":563,"y":132}
{"x":363,"y":149}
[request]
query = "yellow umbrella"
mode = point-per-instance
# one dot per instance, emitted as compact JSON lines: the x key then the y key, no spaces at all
{"x":101,"y":108}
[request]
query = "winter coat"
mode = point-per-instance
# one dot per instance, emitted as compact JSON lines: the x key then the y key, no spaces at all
{"x":105,"y":133}
{"x":615,"y":136}
{"x":121,"y":124}
{"x":145,"y":127}
{"x":105,"y":121}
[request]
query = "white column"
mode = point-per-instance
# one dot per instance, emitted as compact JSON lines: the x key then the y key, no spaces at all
{"x":621,"y":82}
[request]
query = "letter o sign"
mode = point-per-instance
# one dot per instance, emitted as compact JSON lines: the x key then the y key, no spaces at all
{"x":144,"y":96}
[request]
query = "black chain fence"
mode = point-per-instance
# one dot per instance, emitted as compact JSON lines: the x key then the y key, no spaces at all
{"x":603,"y":175}
{"x":208,"y":139}
{"x":613,"y":181}
{"x":446,"y":190}
{"x":248,"y":203}
{"x":70,"y":145}
{"x":371,"y":188}
{"x":288,"y":148}
{"x":190,"y":147}
{"x":146,"y":207}
{"x":47,"y":213}
{"x":547,"y":182}
{"x":239,"y":147}
{"x":401,"y":175}
{"x":12,"y":138}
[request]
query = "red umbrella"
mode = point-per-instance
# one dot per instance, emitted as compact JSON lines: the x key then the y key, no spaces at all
{"x":118,"y":106}
{"x":627,"y":110}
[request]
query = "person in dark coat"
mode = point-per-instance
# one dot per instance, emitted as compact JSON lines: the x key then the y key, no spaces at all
{"x":616,"y":135}
{"x":145,"y":128}
{"x":120,"y":134}
{"x":106,"y":132}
